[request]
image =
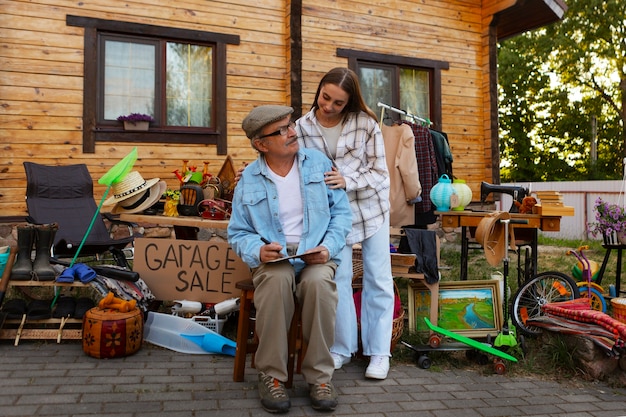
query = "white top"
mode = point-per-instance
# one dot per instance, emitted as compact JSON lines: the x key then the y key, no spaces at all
{"x":290,"y":203}
{"x":331,"y":134}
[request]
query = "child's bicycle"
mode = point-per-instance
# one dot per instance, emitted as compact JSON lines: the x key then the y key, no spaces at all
{"x":588,"y":288}
{"x":533,"y":294}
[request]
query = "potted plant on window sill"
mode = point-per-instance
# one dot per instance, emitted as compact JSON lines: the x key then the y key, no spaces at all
{"x":136,"y":121}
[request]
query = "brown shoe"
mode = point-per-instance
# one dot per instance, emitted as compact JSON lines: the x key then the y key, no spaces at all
{"x":323,"y":397}
{"x":274,"y":398}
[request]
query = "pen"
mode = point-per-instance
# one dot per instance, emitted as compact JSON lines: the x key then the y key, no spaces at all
{"x":267,"y":242}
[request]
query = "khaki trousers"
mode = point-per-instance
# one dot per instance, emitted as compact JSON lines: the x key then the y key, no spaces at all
{"x":274,"y":289}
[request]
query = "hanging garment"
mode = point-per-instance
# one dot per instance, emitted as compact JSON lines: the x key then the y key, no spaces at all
{"x":427,"y":168}
{"x":422,"y":243}
{"x":403,"y":173}
{"x":442,"y":151}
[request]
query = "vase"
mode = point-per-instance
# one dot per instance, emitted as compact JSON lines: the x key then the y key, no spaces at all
{"x":621,"y":236}
{"x":136,"y":125}
{"x":171,"y":207}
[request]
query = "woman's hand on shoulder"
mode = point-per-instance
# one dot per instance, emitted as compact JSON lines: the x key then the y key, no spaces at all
{"x":334,"y":179}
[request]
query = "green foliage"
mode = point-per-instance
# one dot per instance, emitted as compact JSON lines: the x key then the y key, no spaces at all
{"x":553,"y":82}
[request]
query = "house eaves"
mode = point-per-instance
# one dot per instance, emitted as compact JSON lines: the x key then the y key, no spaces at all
{"x":526,"y":15}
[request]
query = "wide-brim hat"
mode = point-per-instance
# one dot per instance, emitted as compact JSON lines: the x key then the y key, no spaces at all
{"x":132,"y":184}
{"x":141,"y":201}
{"x":490,"y":235}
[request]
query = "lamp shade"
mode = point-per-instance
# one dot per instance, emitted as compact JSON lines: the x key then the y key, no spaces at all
{"x":441,"y":192}
{"x":464,"y":193}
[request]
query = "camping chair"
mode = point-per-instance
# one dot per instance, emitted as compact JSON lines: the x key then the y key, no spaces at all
{"x":64,"y":195}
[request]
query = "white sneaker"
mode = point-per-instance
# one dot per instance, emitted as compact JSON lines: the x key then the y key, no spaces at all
{"x":378,"y":367}
{"x":340,"y":360}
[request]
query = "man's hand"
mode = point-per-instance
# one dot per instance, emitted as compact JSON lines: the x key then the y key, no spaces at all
{"x":318,"y":255}
{"x":271,"y":251}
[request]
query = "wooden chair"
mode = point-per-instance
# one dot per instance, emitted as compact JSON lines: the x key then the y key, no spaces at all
{"x":247,"y":341}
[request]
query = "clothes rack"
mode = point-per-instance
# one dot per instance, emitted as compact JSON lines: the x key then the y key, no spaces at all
{"x":405,"y":113}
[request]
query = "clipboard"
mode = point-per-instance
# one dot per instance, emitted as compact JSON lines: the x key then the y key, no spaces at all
{"x":284,"y":258}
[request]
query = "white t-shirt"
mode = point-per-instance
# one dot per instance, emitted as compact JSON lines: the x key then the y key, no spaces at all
{"x":331,"y":135}
{"x":290,"y":203}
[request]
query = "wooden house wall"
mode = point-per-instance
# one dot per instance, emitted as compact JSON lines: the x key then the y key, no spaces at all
{"x":450,"y":31}
{"x":41,"y":74}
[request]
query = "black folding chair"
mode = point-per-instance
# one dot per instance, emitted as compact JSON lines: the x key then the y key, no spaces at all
{"x":64,"y":195}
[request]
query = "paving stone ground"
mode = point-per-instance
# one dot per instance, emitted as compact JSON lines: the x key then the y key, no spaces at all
{"x":49,"y":379}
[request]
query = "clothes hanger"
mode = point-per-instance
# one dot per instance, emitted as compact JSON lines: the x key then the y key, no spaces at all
{"x":420,"y":120}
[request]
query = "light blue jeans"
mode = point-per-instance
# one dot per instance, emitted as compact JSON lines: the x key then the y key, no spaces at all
{"x":377,"y":299}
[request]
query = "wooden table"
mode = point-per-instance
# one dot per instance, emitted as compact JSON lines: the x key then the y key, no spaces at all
{"x":186,"y":227}
{"x":526,"y":232}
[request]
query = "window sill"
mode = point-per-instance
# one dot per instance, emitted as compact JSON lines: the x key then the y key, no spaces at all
{"x":155,"y":135}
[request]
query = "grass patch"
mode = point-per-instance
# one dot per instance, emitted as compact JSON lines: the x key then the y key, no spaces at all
{"x":553,"y":359}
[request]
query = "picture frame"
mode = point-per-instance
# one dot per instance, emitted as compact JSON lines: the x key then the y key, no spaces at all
{"x":482,"y":297}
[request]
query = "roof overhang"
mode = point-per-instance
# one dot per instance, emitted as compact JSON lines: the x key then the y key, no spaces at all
{"x":526,"y":15}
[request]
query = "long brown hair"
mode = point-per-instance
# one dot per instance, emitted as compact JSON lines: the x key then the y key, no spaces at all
{"x":348,"y":81}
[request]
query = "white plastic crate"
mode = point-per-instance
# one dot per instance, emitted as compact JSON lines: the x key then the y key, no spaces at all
{"x":209,"y":322}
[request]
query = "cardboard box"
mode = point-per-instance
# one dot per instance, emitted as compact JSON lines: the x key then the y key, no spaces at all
{"x":193,"y":270}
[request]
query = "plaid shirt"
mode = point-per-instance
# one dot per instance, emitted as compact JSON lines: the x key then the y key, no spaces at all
{"x":361,"y":160}
{"x":426,"y":164}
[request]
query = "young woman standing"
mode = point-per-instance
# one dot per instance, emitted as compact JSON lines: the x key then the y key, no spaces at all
{"x":342,"y":126}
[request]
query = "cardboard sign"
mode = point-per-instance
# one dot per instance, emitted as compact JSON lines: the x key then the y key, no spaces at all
{"x":193,"y":270}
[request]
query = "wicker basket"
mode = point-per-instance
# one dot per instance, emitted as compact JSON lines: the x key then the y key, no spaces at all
{"x":357,"y":284}
{"x":619,"y":309}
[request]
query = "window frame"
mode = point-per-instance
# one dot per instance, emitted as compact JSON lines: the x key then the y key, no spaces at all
{"x":356,"y":58}
{"x":93,"y":133}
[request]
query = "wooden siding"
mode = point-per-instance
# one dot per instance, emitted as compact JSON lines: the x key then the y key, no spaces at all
{"x":41,"y":83}
{"x":450,"y":31}
{"x":41,"y":74}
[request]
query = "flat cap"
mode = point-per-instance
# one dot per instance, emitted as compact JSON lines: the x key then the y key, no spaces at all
{"x":261,"y":116}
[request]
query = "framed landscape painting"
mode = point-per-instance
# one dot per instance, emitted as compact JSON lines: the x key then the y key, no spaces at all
{"x":469,"y":308}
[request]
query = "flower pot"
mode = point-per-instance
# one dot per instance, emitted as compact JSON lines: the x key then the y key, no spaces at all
{"x":136,"y":125}
{"x":171,"y":207}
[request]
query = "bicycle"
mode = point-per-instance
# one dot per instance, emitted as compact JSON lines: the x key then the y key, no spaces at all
{"x":587,"y":288}
{"x":544,"y":288}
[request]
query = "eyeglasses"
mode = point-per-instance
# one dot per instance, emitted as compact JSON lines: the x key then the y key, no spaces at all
{"x":282,"y":131}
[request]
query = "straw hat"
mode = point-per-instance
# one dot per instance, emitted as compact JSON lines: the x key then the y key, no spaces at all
{"x":134,"y":194}
{"x":490,"y":235}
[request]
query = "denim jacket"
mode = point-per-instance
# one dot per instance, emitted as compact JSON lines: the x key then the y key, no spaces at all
{"x":327,"y":214}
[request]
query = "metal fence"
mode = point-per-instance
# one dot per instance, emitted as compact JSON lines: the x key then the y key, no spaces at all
{"x":579,"y":194}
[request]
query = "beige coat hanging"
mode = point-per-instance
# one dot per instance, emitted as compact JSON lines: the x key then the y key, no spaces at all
{"x":402,"y":165}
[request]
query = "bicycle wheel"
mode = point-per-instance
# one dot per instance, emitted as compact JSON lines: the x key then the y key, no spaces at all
{"x":544,"y":288}
{"x":594,"y":291}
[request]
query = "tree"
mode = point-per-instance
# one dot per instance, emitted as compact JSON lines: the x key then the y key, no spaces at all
{"x":553,"y":82}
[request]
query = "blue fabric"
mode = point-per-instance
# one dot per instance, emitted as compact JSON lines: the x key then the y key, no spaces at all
{"x":346,"y":331}
{"x":377,"y":297}
{"x":327,"y":213}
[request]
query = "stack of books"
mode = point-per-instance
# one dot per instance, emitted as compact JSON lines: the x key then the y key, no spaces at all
{"x":551,"y":204}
